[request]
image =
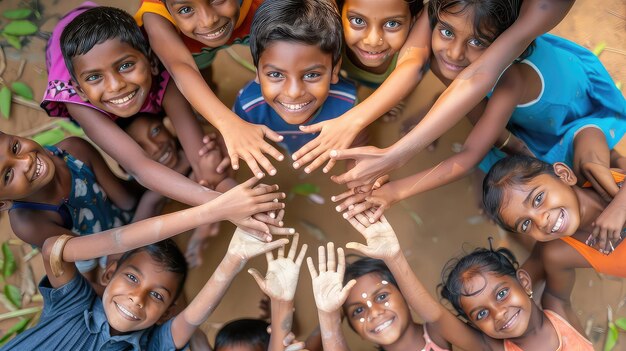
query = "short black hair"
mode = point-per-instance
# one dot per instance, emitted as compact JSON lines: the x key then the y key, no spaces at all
{"x":367,"y":265}
{"x":243,"y":331}
{"x":97,"y":25}
{"x":125,"y":123}
{"x":458,"y":271}
{"x":491,"y":17}
{"x":415,"y":6}
{"x":510,"y":171}
{"x":165,"y":253}
{"x":310,"y":22}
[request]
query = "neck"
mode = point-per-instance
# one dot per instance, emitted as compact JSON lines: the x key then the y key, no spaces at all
{"x":408,"y":339}
{"x":537,"y":331}
{"x":591,"y":206}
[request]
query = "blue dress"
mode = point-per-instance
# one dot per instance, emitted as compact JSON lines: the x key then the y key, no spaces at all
{"x":577,"y":92}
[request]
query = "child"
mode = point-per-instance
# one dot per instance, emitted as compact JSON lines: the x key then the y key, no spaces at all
{"x":178,"y":30}
{"x":296,"y":47}
{"x":386,"y":48}
{"x":487,"y":290}
{"x":550,"y":206}
{"x":472,"y":84}
{"x":243,"y":334}
{"x":552,"y":128}
{"x":108,"y":65}
{"x":141,"y":288}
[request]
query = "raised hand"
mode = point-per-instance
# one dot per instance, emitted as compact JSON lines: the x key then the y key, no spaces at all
{"x":241,"y":202}
{"x":381,"y":240}
{"x":371,"y":164}
{"x":337,"y":133}
{"x":246,"y":141}
{"x":244,"y":246}
{"x":328,"y":289}
{"x":282,"y":274}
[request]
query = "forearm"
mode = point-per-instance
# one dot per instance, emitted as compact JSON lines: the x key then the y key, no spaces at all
{"x":330,"y":329}
{"x":150,"y":205}
{"x":206,"y":301}
{"x":282,"y":323}
{"x":140,"y":233}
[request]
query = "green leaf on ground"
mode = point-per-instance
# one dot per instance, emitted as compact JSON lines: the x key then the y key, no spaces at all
{"x":305,"y":189}
{"x":13,"y":40}
{"x":16,"y":328}
{"x":17,"y":14}
{"x":621,"y":323}
{"x":22,"y":90}
{"x":14,"y":295}
{"x":611,"y":337}
{"x":21,"y":27}
{"x":5,"y":101}
{"x":9,"y":260}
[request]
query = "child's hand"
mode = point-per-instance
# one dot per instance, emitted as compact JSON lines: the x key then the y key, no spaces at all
{"x":199,"y":242}
{"x":371,"y":164}
{"x":328,"y":289}
{"x":281,"y":278}
{"x":275,"y":222}
{"x":380,"y":197}
{"x":381,"y":240}
{"x":246,"y":141}
{"x":212,"y":141}
{"x":337,"y":133}
{"x":244,"y":246}
{"x":241,"y":202}
{"x":608,"y":228}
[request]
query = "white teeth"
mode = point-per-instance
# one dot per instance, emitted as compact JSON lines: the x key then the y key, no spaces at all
{"x":164,"y":157}
{"x":559,"y":222}
{"x":215,"y":34}
{"x":124,"y":99}
{"x":294,"y":107}
{"x":38,"y":168}
{"x":126,"y":312}
{"x":383,"y":326}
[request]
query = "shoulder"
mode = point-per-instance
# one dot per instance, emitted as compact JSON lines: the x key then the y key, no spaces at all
{"x":250,"y":97}
{"x":155,"y":7}
{"x":80,"y":149}
{"x":559,"y":255}
{"x":343,"y":90}
{"x":29,"y":224}
{"x":160,"y":337}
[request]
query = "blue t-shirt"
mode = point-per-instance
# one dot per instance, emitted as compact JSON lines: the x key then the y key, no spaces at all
{"x":73,"y":318}
{"x":251,"y":107}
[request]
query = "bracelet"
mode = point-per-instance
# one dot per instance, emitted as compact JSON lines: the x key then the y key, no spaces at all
{"x":56,"y":255}
{"x":505,"y":142}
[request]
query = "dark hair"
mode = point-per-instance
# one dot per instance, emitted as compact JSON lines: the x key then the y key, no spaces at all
{"x":491,"y":17}
{"x":367,"y":265}
{"x":125,"y":123}
{"x":243,"y":331}
{"x":97,"y":25}
{"x":458,"y":271}
{"x":415,"y":6}
{"x":507,"y":172}
{"x":167,"y":254}
{"x":310,"y":22}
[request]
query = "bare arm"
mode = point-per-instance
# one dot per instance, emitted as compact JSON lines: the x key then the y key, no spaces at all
{"x":243,"y":140}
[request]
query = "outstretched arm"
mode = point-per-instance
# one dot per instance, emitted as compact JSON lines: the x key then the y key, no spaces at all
{"x":243,"y":140}
{"x":339,"y":133}
{"x":242,"y":248}
{"x":382,"y":243}
{"x":472,"y":85}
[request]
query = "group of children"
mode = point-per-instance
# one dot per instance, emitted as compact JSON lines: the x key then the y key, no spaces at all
{"x":543,"y":107}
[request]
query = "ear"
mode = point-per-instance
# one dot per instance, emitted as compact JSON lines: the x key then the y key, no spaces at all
{"x":256,"y":77}
{"x":106,"y":277}
{"x":565,"y":173}
{"x":335,"y":74}
{"x":79,"y":90}
{"x":5,"y":205}
{"x":524,"y":279}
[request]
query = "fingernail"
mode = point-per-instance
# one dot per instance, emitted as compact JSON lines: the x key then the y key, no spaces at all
{"x":345,"y":215}
{"x":294,"y":157}
{"x":280,"y":223}
{"x":325,"y":170}
{"x":350,"y":207}
{"x":273,"y":172}
{"x":292,"y":231}
{"x":338,"y":208}
{"x":332,"y":198}
{"x":281,"y":157}
{"x":260,"y":175}
{"x":371,"y":220}
{"x":333,"y":153}
{"x":296,"y":165}
{"x":272,"y":215}
{"x":236,"y":167}
{"x":307,"y":170}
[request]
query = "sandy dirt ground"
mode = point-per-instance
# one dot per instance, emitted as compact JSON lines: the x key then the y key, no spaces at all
{"x":432,"y":227}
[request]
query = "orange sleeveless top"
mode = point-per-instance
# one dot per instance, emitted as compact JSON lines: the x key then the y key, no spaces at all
{"x":569,"y":338}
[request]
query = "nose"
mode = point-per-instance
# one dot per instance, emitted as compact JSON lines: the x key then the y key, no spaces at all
{"x":24,"y":162}
{"x":136,"y":298}
{"x":294,"y":88}
{"x":151,"y":147}
{"x":374,"y":37}
{"x":456,"y":50}
{"x":207,"y":17}
{"x":542,"y":219}
{"x":375,"y":311}
{"x":115,"y":82}
{"x":500,"y":314}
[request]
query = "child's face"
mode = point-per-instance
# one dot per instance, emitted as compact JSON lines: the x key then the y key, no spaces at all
{"x":139,"y":293}
{"x":26,"y":167}
{"x":501,"y":309}
{"x":114,"y":77}
{"x":241,"y":347}
{"x":377,"y":310}
{"x":210,"y":22}
{"x":295,"y":79}
{"x":155,"y":139}
{"x":545,"y":208}
{"x":454,"y":43}
{"x":374,"y":30}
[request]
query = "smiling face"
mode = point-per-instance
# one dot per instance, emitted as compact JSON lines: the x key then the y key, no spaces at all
{"x":139,"y":293}
{"x":154,"y":139}
{"x":114,"y":77}
{"x":374,"y":30}
{"x":295,"y":79}
{"x":25,"y":167}
{"x":210,"y":22}
{"x":377,"y":310}
{"x":545,"y":208}
{"x":455,"y":44}
{"x":499,"y":305}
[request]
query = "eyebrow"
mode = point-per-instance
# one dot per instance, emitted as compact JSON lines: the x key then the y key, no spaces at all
{"x":355,"y":13}
{"x":495,"y":289}
{"x":310,"y":68}
{"x":526,"y":201}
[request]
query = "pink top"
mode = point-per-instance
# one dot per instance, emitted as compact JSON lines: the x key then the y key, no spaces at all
{"x":60,"y":90}
{"x":430,"y":345}
{"x":569,"y":338}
